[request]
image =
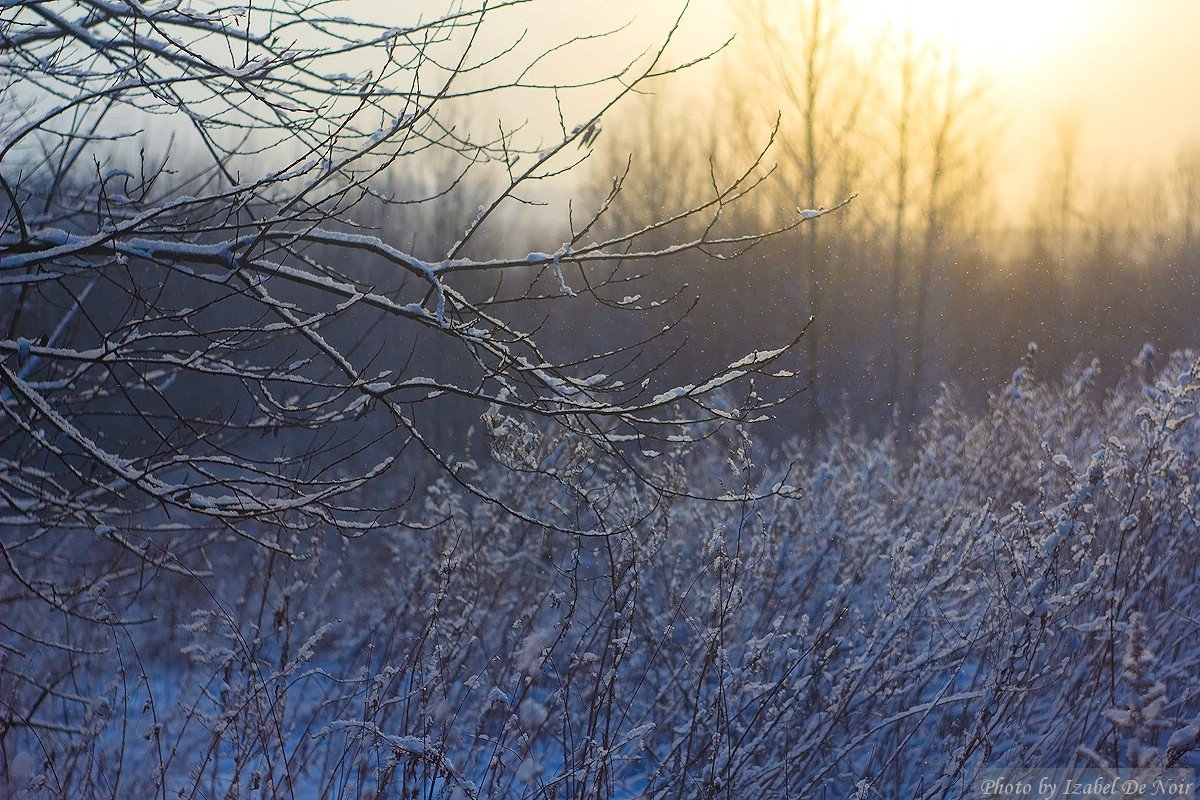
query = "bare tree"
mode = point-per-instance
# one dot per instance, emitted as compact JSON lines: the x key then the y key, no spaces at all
{"x":956,"y":159}
{"x":1064,"y":217}
{"x":199,"y":323}
{"x":809,"y":71}
{"x":1185,"y":182}
{"x":902,"y":135}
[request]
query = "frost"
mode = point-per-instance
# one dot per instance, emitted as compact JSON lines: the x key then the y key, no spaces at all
{"x":532,"y":714}
{"x":1185,"y":738}
{"x":528,"y":771}
{"x":530,"y":654}
{"x":671,"y":395}
{"x":496,"y":697}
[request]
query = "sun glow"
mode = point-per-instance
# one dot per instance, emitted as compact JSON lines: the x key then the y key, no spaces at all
{"x":1002,"y":36}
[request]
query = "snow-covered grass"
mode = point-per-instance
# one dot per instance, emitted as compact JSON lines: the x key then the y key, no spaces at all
{"x":1016,"y":587}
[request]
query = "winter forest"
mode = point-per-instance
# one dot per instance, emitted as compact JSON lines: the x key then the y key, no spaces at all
{"x":580,"y":400}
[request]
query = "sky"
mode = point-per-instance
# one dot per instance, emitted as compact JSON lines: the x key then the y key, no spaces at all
{"x":1124,"y":73}
{"x":1127,"y":76}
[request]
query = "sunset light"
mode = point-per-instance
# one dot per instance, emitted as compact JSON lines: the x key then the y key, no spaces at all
{"x":998,"y":36}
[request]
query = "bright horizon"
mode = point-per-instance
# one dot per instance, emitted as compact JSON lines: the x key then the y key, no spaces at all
{"x":999,"y":37}
{"x":1120,"y":72}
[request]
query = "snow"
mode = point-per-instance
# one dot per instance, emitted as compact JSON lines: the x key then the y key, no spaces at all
{"x":874,"y":606}
{"x":1186,"y":738}
{"x":532,"y":714}
{"x":530,"y":654}
{"x":671,"y":395}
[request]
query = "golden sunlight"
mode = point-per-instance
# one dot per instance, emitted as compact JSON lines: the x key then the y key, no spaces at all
{"x":1004,"y":36}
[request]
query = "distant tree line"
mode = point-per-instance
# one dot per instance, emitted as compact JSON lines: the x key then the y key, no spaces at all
{"x":925,"y":277}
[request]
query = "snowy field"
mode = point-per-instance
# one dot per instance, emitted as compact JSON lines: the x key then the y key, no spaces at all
{"x":1017,"y":588}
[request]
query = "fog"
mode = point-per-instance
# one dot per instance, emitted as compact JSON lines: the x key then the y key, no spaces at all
{"x":1126,"y":77}
{"x":1122,"y":72}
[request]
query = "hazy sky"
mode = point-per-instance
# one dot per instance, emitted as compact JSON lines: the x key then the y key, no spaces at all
{"x":1129,"y":73}
{"x":1126,"y":72}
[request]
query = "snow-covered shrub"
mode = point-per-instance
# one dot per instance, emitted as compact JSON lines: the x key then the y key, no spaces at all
{"x":1014,"y":588}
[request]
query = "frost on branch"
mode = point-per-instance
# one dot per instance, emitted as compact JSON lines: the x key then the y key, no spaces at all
{"x":247,"y":334}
